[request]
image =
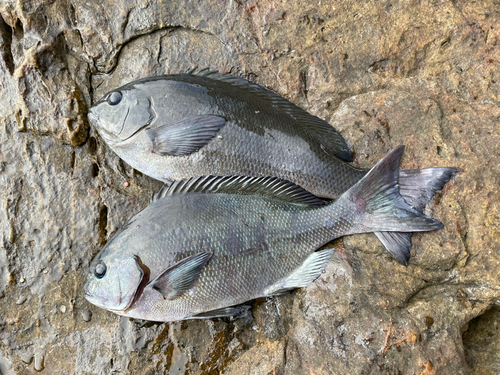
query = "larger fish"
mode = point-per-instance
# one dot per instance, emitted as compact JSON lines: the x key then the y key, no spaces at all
{"x":180,"y":126}
{"x":194,"y":254}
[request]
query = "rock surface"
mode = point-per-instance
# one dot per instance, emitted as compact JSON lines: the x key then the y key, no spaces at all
{"x":421,"y":73}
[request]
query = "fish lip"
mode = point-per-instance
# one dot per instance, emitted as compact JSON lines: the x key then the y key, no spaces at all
{"x":85,"y":291}
{"x":89,"y":297}
{"x":93,"y":118}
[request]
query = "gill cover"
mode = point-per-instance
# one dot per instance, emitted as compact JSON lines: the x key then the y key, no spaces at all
{"x":115,"y":288}
{"x":122,"y":113}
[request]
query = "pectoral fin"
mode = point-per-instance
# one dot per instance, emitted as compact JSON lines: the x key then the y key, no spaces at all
{"x":180,"y":277}
{"x":185,"y":136}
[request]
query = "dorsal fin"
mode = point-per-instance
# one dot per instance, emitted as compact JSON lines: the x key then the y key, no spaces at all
{"x":272,"y":187}
{"x":325,"y":134}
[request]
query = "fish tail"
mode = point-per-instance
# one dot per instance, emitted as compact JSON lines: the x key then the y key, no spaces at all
{"x":417,"y":187}
{"x":379,"y":206}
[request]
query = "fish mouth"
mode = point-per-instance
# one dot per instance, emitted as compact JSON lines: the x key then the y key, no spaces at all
{"x":89,"y":297}
{"x":93,"y":119}
{"x":97,"y":302}
{"x":86,"y":292}
{"x":109,"y":136}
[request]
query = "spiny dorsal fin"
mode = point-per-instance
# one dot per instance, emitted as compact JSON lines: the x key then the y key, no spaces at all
{"x":264,"y":186}
{"x":325,"y":134}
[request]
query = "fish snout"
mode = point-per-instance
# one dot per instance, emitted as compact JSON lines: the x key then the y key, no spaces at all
{"x":93,"y":118}
{"x":86,"y":290}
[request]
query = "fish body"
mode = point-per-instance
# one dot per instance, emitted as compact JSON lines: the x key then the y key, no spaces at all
{"x":195,"y":254}
{"x":180,"y":126}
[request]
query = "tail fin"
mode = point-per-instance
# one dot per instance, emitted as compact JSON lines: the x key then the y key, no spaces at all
{"x":417,"y":187}
{"x":377,"y":194}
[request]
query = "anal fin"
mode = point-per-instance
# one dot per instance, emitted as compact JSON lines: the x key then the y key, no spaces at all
{"x":221,"y":313}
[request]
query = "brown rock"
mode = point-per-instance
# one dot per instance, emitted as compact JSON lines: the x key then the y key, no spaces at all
{"x":422,"y":74}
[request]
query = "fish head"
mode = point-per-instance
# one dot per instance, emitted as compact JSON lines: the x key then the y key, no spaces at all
{"x":122,"y":113}
{"x":114,"y":281}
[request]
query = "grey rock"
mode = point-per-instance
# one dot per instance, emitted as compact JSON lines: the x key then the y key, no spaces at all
{"x":87,"y":315}
{"x":21,"y":300}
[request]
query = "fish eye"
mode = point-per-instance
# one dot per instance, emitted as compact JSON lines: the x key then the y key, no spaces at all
{"x":100,"y":270}
{"x":114,"y":98}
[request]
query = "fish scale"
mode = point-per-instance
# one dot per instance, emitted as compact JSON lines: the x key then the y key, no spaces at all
{"x":254,"y":271}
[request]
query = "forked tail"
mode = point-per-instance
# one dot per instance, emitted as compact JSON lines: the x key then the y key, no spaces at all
{"x":378,"y":204}
{"x":417,"y":187}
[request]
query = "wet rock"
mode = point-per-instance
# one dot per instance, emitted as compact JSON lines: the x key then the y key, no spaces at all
{"x":26,"y":357}
{"x":380,"y":75}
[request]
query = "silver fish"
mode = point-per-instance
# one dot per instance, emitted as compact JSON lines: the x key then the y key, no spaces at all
{"x":180,"y":126}
{"x":194,"y":254}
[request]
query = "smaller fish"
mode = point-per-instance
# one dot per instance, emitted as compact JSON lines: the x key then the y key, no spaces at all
{"x":194,"y":254}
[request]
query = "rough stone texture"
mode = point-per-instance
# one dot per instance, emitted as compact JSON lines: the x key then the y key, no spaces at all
{"x":482,"y":343}
{"x":421,"y":73}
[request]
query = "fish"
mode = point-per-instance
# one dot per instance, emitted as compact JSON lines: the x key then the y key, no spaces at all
{"x":205,"y":246}
{"x":202,"y":123}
